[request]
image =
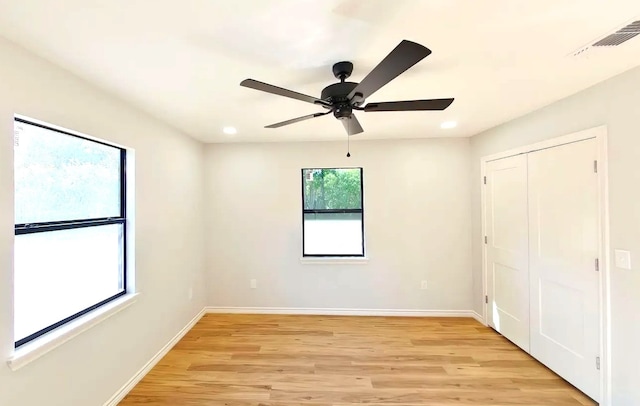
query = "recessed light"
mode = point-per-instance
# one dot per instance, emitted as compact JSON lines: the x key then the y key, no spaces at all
{"x":230,"y":130}
{"x":448,"y":124}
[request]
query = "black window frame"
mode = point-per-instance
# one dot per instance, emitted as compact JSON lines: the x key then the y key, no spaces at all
{"x":334,"y":211}
{"x":42,"y":227}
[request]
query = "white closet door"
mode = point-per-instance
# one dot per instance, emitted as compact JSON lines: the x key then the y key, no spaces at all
{"x":507,"y":248}
{"x":563,"y":236}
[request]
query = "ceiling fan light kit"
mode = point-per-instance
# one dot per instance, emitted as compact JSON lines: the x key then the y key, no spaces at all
{"x":344,"y":97}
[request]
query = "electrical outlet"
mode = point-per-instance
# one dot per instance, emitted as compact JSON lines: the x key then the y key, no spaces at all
{"x":623,"y":259}
{"x":190,"y":293}
{"x":423,"y":285}
{"x":254,"y":283}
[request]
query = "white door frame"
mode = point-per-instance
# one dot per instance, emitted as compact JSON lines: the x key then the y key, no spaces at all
{"x":600,"y":134}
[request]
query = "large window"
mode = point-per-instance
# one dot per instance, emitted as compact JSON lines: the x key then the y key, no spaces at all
{"x":333,"y":223}
{"x":70,"y":230}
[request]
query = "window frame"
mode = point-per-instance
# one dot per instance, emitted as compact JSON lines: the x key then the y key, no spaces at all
{"x":42,"y":227}
{"x":335,"y":211}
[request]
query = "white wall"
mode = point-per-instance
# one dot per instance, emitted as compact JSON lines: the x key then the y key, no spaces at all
{"x":417,"y":226}
{"x":169,"y":177}
{"x":615,"y":103}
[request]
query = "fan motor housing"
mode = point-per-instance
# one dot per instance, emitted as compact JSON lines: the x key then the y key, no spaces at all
{"x":338,"y":92}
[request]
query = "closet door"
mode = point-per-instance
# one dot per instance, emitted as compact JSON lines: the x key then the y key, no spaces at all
{"x":563,"y":248}
{"x":507,"y":248}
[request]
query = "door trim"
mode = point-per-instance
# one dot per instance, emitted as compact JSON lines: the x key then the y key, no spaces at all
{"x":600,"y":134}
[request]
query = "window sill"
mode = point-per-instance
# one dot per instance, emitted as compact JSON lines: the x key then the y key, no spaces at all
{"x":334,"y":260}
{"x":42,"y":345}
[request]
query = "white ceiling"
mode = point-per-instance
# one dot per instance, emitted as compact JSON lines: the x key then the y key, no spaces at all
{"x":182,"y":61}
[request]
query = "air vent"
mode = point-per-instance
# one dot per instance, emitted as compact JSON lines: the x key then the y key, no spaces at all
{"x":622,"y":35}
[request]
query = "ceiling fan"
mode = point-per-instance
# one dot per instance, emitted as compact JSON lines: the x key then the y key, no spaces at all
{"x":343,"y":97}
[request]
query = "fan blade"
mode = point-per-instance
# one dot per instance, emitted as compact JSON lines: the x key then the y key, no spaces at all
{"x":352,"y":125}
{"x":296,"y":120}
{"x":403,"y":56}
{"x":265,"y":87}
{"x":410,"y":105}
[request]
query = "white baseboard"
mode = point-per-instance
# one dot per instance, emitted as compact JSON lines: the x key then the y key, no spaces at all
{"x":342,"y":312}
{"x":122,"y":392}
{"x":479,"y":318}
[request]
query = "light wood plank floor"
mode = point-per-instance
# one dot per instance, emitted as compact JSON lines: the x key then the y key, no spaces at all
{"x":265,"y":360}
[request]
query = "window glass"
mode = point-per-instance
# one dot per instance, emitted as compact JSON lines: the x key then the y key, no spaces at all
{"x":333,"y":233}
{"x":332,"y":212}
{"x":61,"y":177}
{"x":61,"y":273}
{"x":332,"y":189}
{"x":70,"y":228}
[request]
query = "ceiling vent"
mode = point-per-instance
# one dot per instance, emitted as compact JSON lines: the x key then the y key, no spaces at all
{"x":622,"y":35}
{"x":614,"y":39}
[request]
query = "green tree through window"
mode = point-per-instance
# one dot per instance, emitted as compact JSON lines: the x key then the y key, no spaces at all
{"x":332,"y":189}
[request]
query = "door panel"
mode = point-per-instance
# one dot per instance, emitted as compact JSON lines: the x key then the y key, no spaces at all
{"x":563,"y":247}
{"x":507,"y":248}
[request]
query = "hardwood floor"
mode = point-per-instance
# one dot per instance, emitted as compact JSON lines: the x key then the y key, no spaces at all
{"x":268,"y":360}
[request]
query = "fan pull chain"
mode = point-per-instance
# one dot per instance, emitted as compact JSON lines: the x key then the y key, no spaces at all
{"x":348,"y":136}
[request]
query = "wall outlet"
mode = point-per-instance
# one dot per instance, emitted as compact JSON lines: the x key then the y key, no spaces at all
{"x":423,"y":285}
{"x":623,"y":259}
{"x":254,"y":283}
{"x":190,"y":293}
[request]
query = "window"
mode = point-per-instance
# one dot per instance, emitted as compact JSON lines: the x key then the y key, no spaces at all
{"x":70,"y":218}
{"x":332,"y":213}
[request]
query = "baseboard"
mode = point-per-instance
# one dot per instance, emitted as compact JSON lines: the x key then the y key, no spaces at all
{"x":122,"y":392}
{"x":342,"y":312}
{"x":478,"y":317}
